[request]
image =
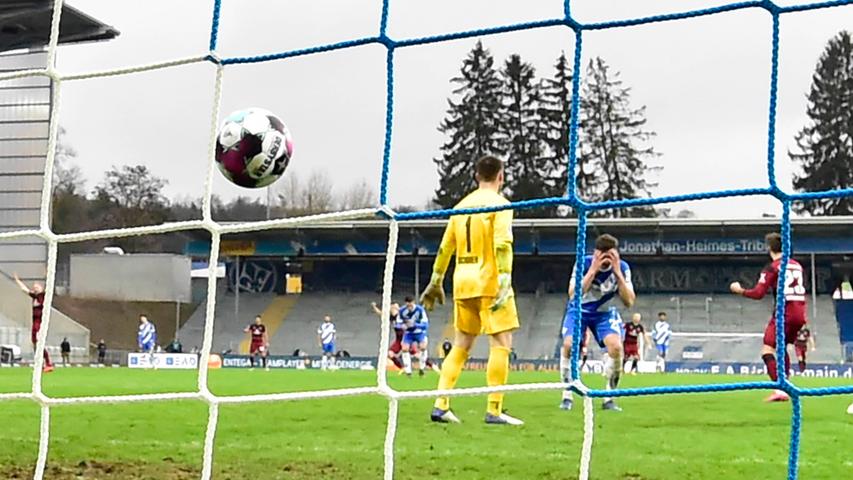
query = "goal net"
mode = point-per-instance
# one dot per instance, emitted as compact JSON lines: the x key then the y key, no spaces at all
{"x":571,"y":199}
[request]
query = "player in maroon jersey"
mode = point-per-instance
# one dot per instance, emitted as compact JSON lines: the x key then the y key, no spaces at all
{"x":260,"y":342}
{"x":631,"y":343}
{"x":803,"y":343}
{"x":37,"y":294}
{"x":399,"y":329}
{"x":795,"y":306}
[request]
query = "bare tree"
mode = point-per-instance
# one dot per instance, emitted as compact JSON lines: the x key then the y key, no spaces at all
{"x":305,"y":197}
{"x":359,"y":195}
{"x":317,"y":193}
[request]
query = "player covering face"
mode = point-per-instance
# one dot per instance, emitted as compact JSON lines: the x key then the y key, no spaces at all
{"x":605,"y":276}
{"x":482,"y":289}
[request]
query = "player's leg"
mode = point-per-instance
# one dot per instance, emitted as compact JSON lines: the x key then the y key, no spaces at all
{"x":768,"y":354}
{"x":407,"y":354}
{"x":466,"y":321}
{"x":610,"y":330}
{"x":565,"y":365}
{"x":801,"y":357}
{"x":264,"y":355}
{"x":499,"y":325}
{"x":422,"y":354}
{"x":661,"y":360}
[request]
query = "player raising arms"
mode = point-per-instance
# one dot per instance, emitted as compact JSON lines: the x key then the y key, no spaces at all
{"x":795,"y":306}
{"x":326,"y":338}
{"x":631,"y":343}
{"x":260,"y":342}
{"x":415,"y":320}
{"x":482,"y":289}
{"x":803,"y":343}
{"x":37,"y":294}
{"x":605,"y":275}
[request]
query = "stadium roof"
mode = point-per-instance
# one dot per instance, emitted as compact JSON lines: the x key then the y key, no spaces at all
{"x":541,"y":236}
{"x":25,"y":24}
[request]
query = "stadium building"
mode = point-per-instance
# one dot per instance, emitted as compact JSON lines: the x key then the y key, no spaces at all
{"x":684,"y":267}
{"x":25,"y":112}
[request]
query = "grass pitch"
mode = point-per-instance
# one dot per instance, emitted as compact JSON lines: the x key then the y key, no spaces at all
{"x":699,"y":436}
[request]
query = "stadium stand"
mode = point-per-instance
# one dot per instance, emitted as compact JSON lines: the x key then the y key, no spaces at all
{"x":228,"y":330}
{"x":292,"y":321}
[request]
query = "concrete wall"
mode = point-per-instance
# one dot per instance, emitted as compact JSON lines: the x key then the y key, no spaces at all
{"x":134,"y":277}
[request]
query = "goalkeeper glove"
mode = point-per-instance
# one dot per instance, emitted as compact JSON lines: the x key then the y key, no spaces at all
{"x":433,"y":292}
{"x":504,"y":290}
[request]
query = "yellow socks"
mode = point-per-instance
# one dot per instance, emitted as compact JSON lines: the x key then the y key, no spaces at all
{"x":497,"y":372}
{"x":450,"y":370}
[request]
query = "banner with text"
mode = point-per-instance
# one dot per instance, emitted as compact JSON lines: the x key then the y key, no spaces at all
{"x":187,"y":361}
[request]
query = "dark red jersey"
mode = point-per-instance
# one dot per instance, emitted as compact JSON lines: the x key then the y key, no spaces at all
{"x":795,"y":288}
{"x":633,"y":332}
{"x":803,"y":337}
{"x":399,"y":328}
{"x":257,"y":332}
{"x":38,"y":306}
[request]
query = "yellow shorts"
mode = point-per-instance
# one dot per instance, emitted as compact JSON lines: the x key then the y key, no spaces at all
{"x":474,"y":316}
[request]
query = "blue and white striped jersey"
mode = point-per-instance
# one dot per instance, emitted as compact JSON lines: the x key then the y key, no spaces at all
{"x":416,"y":320}
{"x":147,"y":334}
{"x":326,"y":332}
{"x":603,"y":288}
{"x":662,"y":333}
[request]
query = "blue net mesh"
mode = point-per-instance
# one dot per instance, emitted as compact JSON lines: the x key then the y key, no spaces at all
{"x":582,"y":207}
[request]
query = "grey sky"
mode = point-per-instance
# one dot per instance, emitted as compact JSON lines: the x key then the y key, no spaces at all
{"x":705,"y":83}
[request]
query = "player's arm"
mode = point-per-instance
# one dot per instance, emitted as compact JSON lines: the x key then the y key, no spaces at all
{"x":23,"y":286}
{"x":765,"y":281}
{"x":319,"y":338}
{"x":623,"y":279}
{"x":246,"y":330}
{"x":812,"y":345}
{"x":503,"y":256}
{"x":376,"y":308}
{"x":434,"y":292}
{"x":588,"y":277}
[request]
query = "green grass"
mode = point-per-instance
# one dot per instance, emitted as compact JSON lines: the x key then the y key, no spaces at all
{"x":704,"y":436}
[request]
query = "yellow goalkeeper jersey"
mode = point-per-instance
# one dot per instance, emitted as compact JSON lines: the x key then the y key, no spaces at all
{"x":474,"y":238}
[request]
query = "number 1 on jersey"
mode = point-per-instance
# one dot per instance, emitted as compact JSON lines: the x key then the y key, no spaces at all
{"x":468,"y":233}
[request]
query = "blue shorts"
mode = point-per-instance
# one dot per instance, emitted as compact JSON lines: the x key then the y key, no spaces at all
{"x":662,"y":349}
{"x":414,"y":338}
{"x":329,"y":347}
{"x":148,"y":347}
{"x":601,"y":324}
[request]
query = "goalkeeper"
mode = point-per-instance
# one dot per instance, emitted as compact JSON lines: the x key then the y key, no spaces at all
{"x":482,"y":289}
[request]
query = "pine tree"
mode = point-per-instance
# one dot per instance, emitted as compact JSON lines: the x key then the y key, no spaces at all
{"x":825,"y":145}
{"x":520,"y":131}
{"x":555,"y":112}
{"x":471,"y":125}
{"x":613,"y":148}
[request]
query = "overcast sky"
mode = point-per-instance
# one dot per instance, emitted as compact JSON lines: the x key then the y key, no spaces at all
{"x":705,"y":83}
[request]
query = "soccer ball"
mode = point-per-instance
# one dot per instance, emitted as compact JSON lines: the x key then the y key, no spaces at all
{"x":253,"y":148}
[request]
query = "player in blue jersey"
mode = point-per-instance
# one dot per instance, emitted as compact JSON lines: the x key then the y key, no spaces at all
{"x":605,"y":276}
{"x":414,"y":318}
{"x":661,"y":334}
{"x":146,"y":337}
{"x":326,"y":339}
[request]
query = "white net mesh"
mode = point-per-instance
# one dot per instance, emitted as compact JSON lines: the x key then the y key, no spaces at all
{"x":216,"y":231}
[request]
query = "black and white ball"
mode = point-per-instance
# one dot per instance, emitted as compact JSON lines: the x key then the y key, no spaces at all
{"x":253,"y":148}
